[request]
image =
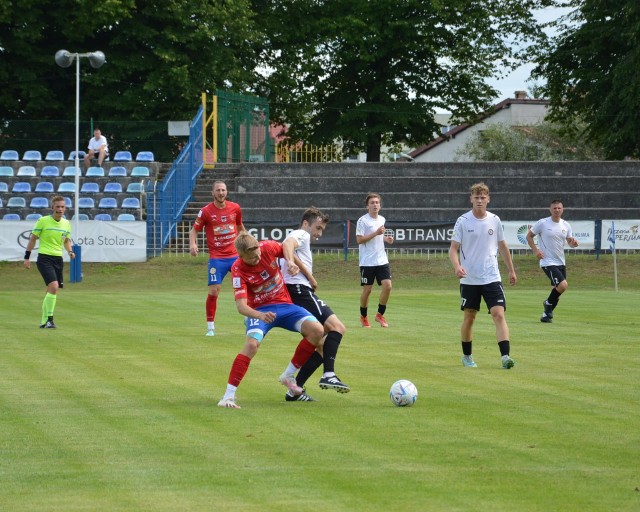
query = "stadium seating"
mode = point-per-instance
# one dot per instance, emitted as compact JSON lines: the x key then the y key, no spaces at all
{"x":117,"y":171}
{"x":4,"y":187}
{"x":68,"y":202}
{"x":102,"y":216}
{"x":45,"y":187}
{"x":71,"y":171}
{"x":54,"y":156}
{"x":50,"y":171}
{"x":33,"y":216}
{"x":130,"y":202}
{"x":90,"y":188}
{"x":144,"y":156}
{"x":112,"y":188}
{"x":21,"y":187}
{"x":9,"y":154}
{"x":81,"y":216}
{"x":126,"y":216}
{"x":26,"y":170}
{"x":140,"y":172}
{"x":6,"y":171}
{"x":86,"y":202}
{"x":39,"y":202}
{"x":67,"y":186}
{"x":94,"y":172}
{"x":134,"y":188}
{"x":122,"y":156}
{"x":108,"y":202}
{"x":16,"y":202}
{"x":72,"y":155}
{"x":32,"y":155}
{"x":11,"y":216}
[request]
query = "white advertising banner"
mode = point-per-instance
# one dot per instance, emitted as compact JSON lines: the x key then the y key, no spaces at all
{"x":627,"y":234}
{"x":515,"y":233}
{"x":100,"y":241}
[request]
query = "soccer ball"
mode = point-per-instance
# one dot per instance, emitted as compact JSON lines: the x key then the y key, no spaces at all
{"x":403,"y":393}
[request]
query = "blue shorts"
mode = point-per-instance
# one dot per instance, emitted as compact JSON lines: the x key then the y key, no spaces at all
{"x":288,"y":316}
{"x":218,"y":268}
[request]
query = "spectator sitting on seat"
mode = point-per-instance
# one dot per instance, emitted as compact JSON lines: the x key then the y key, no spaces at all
{"x":97,"y":148}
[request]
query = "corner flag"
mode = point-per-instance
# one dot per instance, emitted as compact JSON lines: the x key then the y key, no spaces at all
{"x":612,"y":237}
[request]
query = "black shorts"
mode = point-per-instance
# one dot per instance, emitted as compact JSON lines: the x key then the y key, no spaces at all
{"x":492,"y":293}
{"x":556,"y":274}
{"x":50,"y":268}
{"x":379,"y":273}
{"x":305,"y":297}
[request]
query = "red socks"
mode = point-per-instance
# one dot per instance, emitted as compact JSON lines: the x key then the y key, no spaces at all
{"x":212,"y":302}
{"x":238,"y":369}
{"x":303,"y":352}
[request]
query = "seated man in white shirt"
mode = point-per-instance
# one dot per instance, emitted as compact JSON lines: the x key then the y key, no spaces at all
{"x":97,"y":149}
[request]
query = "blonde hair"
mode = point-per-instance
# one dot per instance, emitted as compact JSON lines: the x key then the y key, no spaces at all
{"x":244,"y":241}
{"x":479,"y":188}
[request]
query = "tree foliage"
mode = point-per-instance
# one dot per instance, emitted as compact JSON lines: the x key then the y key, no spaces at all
{"x":591,"y":71}
{"x":542,"y":142}
{"x":160,"y":57}
{"x":373,"y":72}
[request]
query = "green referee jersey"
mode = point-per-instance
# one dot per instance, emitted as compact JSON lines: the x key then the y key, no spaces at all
{"x":52,"y":234}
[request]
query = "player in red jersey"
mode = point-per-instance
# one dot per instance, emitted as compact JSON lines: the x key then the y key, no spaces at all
{"x":262,"y":296}
{"x":222,"y":221}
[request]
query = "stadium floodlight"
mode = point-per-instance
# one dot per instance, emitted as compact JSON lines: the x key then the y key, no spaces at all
{"x":64,"y":59}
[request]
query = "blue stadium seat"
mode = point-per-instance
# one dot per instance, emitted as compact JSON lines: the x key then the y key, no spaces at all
{"x":68,"y":202}
{"x":102,"y":216}
{"x":26,"y":170}
{"x":4,"y":187}
{"x":16,"y":202}
{"x":67,"y":186}
{"x":81,"y":216}
{"x":126,"y":216}
{"x":72,"y":155}
{"x":112,"y":188}
{"x":50,"y":171}
{"x":130,"y":202}
{"x":94,"y":172}
{"x":134,"y":188}
{"x":39,"y":202}
{"x":31,"y":155}
{"x":6,"y":171}
{"x":122,"y":156}
{"x":90,"y":188}
{"x":45,"y":187}
{"x":54,"y":156}
{"x":11,"y":216}
{"x":9,"y":154}
{"x":86,"y":202}
{"x":71,"y":171}
{"x":21,"y":187}
{"x":140,"y":172}
{"x":144,"y":156}
{"x":117,"y":171}
{"x":33,"y":216}
{"x":108,"y":202}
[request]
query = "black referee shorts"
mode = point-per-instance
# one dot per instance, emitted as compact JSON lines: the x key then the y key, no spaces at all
{"x":50,"y":268}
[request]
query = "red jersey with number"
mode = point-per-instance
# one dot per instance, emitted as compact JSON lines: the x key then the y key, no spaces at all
{"x":262,"y":283}
{"x":221,"y":228}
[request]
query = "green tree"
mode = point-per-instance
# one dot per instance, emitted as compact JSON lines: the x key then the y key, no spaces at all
{"x":160,"y":57}
{"x":373,"y":72}
{"x":591,"y":71}
{"x":542,"y":142}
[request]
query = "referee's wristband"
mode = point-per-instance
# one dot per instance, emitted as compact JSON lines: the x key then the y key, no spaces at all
{"x":27,"y":255}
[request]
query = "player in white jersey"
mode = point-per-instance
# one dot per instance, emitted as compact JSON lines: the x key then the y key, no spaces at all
{"x":374,"y":264}
{"x":302,"y":288}
{"x":552,"y":233}
{"x":477,"y":239}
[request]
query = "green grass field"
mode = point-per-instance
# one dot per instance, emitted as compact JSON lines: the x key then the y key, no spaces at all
{"x":116,"y":409}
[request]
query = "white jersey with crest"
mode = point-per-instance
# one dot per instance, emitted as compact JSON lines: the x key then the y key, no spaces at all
{"x":551,"y":236}
{"x":478,"y":239}
{"x":303,"y":252}
{"x":371,"y":253}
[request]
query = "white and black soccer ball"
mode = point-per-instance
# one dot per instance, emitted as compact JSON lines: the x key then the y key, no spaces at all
{"x":403,"y":393}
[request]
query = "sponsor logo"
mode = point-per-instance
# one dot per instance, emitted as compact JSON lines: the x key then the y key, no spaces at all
{"x":522,"y":233}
